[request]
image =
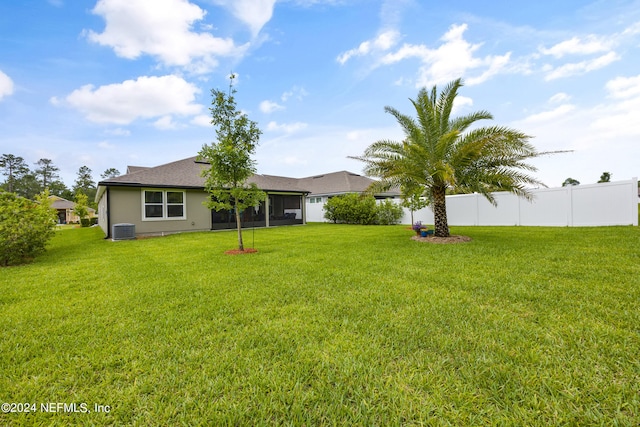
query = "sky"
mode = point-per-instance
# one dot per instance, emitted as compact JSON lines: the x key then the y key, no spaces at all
{"x":111,"y":83}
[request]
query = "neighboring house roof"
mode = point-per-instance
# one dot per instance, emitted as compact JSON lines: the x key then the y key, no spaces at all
{"x":185,"y":173}
{"x":339,"y":183}
{"x":58,"y":202}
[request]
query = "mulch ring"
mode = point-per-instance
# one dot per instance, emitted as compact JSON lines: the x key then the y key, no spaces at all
{"x":239,"y":252}
{"x":442,"y":240}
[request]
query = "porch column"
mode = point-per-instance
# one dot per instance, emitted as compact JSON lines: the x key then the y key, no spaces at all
{"x":303,"y":205}
{"x":266,"y":211}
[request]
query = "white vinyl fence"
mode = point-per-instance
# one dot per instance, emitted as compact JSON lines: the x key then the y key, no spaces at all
{"x":611,"y":203}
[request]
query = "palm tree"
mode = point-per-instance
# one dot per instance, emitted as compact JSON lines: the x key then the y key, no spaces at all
{"x":442,"y":154}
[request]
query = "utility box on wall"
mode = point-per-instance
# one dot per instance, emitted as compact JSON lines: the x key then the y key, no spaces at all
{"x":123,"y":232}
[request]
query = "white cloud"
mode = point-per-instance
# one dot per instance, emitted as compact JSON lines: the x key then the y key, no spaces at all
{"x":118,"y":132}
{"x":201,"y":120}
{"x":577,"y":46}
{"x":106,"y":145}
{"x":620,"y":118}
{"x":383,"y":42}
{"x":162,"y":29}
{"x":254,"y":13}
{"x":285,"y":127}
{"x":353,"y":135}
{"x":610,"y":126}
{"x":455,"y":57}
{"x":624,"y":87}
{"x":573,"y":69}
{"x":559,"y":98}
{"x":269,"y":107}
{"x":554,"y":114}
{"x":459,"y":103}
{"x":6,"y":85}
{"x":146,"y":97}
{"x":165,"y":123}
{"x":298,"y":92}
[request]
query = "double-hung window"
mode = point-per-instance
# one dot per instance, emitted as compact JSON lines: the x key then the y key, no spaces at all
{"x":163,"y":205}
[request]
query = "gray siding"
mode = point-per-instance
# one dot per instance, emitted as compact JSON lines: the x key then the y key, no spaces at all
{"x":126,"y":207}
{"x":102,"y":213}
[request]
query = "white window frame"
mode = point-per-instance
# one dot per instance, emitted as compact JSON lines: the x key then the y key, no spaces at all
{"x":165,"y":203}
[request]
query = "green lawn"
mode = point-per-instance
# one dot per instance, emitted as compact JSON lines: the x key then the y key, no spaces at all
{"x":327,"y":325}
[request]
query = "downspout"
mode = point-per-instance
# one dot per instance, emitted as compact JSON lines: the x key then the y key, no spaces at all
{"x":108,"y":214}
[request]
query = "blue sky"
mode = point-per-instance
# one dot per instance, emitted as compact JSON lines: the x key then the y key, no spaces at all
{"x":112,"y":83}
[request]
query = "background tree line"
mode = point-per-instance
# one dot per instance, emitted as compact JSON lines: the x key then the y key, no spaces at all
{"x":29,"y":182}
{"x":605,"y":177}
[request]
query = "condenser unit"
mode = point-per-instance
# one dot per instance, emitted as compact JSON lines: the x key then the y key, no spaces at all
{"x":124,"y":231}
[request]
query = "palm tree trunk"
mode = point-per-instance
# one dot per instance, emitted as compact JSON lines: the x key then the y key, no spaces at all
{"x":239,"y":225}
{"x":440,"y":212}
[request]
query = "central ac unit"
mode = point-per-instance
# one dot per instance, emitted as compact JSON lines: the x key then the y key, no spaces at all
{"x":124,"y":231}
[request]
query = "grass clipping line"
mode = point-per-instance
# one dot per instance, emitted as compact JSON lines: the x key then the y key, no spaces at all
{"x":442,"y":240}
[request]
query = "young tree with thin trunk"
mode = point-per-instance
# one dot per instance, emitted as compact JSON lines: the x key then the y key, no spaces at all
{"x":81,"y":209}
{"x":230,"y":159}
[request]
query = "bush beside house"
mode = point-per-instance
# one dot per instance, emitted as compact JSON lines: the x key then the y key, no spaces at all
{"x":358,"y":209}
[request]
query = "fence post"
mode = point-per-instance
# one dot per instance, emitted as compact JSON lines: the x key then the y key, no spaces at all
{"x":570,"y":206}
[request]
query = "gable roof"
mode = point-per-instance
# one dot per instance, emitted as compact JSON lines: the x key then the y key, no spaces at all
{"x":185,"y":173}
{"x":339,"y":183}
{"x":58,"y":202}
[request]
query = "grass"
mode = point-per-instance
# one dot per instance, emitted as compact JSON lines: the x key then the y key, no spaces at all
{"x":328,"y":325}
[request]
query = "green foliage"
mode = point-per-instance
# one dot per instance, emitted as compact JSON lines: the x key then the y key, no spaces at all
{"x":14,"y":168}
{"x":388,"y":213}
{"x":47,"y":172}
{"x":25,"y":227}
{"x":110,"y":173}
{"x":230,"y":159}
{"x":354,"y":208}
{"x":605,"y":177}
{"x":81,"y":208}
{"x":28,"y":186}
{"x":570,"y":181}
{"x":328,"y":325}
{"x":441,"y":153}
{"x":84,"y":183}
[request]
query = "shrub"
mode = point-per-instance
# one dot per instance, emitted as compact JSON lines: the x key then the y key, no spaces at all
{"x":25,"y":227}
{"x":358,"y":209}
{"x":388,"y":213}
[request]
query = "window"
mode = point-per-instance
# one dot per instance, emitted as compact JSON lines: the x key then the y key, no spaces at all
{"x":163,"y":204}
{"x":315,"y":199}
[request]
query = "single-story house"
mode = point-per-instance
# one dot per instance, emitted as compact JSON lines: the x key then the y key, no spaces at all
{"x":323,"y":187}
{"x":169,"y":199}
{"x":65,"y":208}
